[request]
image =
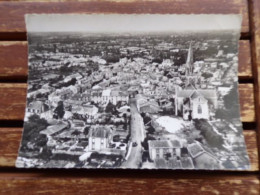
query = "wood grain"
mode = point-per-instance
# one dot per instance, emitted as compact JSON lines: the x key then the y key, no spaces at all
{"x":247,"y":107}
{"x":254,"y":7}
{"x":13,"y":60}
{"x":244,"y":56}
{"x":13,"y":97}
{"x":12,"y":14}
{"x":10,"y":140}
{"x":38,"y":183}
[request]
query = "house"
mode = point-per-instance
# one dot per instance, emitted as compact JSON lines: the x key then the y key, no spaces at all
{"x":50,"y":76}
{"x":105,"y":96}
{"x":160,"y":91}
{"x":137,"y":89}
{"x":202,"y":159}
{"x":99,"y":137}
{"x":54,"y":129}
{"x":70,"y":102}
{"x":164,"y":148}
{"x":89,"y":110}
{"x":140,"y":99}
{"x":149,"y":107}
{"x":37,"y":107}
{"x":120,"y":132}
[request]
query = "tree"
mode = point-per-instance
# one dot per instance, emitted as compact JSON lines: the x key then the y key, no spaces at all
{"x":145,"y":142}
{"x":65,"y":69}
{"x":221,"y":114}
{"x":212,"y":138}
{"x":151,"y":130}
{"x":71,"y":82}
{"x":112,"y":59}
{"x":207,"y":75}
{"x":31,"y":133}
{"x":86,"y":130}
{"x":76,"y":133}
{"x":110,"y":108}
{"x":59,"y":111}
{"x":231,"y":102}
{"x":157,"y":60}
{"x":147,"y":119}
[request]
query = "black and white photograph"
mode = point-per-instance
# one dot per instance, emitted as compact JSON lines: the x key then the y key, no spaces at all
{"x":129,"y":91}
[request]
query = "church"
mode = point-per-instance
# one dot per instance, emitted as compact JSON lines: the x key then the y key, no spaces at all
{"x":191,"y":102}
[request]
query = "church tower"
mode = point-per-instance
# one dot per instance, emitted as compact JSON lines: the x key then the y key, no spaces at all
{"x":191,"y":78}
{"x":189,"y":62}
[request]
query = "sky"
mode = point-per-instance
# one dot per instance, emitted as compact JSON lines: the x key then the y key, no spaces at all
{"x":130,"y":23}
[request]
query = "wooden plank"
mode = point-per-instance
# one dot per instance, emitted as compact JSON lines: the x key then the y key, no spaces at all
{"x":13,"y":96}
{"x":16,"y":67}
{"x":148,"y":183}
{"x":14,"y":100}
{"x":12,"y":14}
{"x":251,"y":143}
{"x":244,"y":66}
{"x":10,"y":140}
{"x":254,"y":8}
{"x":247,"y":107}
{"x":13,"y":59}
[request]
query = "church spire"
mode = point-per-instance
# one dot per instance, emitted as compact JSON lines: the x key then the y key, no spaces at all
{"x":189,"y":61}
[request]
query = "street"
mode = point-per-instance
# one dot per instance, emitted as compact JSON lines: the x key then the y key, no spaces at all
{"x":137,"y":135}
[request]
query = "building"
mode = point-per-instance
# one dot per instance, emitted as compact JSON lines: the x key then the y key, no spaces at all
{"x":54,"y":129}
{"x":99,"y":137}
{"x":190,"y":77}
{"x":192,"y":103}
{"x":202,"y":158}
{"x":163,"y":148}
{"x":37,"y":107}
{"x":149,"y":107}
{"x":107,"y":95}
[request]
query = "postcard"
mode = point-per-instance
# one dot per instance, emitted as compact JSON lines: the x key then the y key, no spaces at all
{"x":133,"y":91}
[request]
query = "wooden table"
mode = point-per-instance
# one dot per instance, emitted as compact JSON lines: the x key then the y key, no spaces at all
{"x":13,"y":75}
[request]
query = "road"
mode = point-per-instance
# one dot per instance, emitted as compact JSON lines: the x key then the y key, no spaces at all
{"x":137,"y":135}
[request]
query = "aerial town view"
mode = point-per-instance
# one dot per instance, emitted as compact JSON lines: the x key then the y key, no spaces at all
{"x":142,"y":101}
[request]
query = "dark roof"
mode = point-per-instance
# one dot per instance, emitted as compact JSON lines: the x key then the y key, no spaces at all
{"x":176,"y":144}
{"x":54,"y":129}
{"x":207,"y":93}
{"x":195,"y":149}
{"x":100,"y":131}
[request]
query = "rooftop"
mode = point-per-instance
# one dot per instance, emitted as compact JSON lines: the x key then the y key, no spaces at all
{"x":100,"y":131}
{"x":54,"y":129}
{"x":164,"y":144}
{"x":195,"y":149}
